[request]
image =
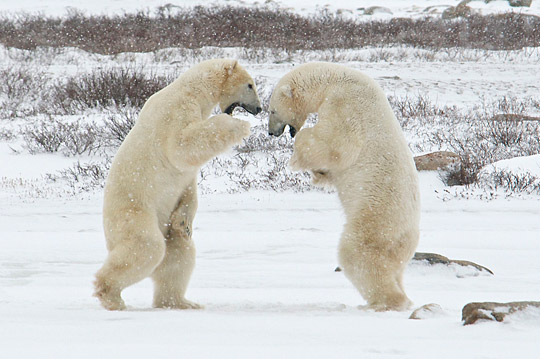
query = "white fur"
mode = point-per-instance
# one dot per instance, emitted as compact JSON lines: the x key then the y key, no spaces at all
{"x":151,"y":191}
{"x":358,"y":147}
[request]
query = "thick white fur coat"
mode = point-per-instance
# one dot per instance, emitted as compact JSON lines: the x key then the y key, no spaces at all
{"x":357,"y":146}
{"x":151,"y":191}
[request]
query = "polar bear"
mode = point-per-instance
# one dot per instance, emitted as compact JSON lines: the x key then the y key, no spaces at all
{"x":151,"y":191}
{"x":356,"y":146}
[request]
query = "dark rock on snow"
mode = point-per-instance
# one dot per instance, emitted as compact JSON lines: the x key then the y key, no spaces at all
{"x":433,"y":258}
{"x":520,"y":3}
{"x":461,"y":10}
{"x":473,"y":312}
{"x":426,"y":311}
{"x":448,"y":164}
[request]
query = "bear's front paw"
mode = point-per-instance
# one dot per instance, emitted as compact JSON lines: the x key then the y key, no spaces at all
{"x":321,"y":177}
{"x":180,"y":226}
{"x":234,"y":130}
{"x":181,"y":231}
{"x":293,"y":164}
{"x":296,"y":163}
{"x":244,"y":128}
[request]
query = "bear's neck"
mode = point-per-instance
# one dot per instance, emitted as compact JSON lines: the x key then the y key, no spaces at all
{"x":203,"y":89}
{"x":319,"y":87}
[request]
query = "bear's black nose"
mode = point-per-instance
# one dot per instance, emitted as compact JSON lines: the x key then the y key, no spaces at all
{"x":273,"y":131}
{"x":292,"y":131}
{"x":258,"y":110}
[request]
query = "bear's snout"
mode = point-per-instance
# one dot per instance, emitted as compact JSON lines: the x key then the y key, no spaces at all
{"x":292,"y":131}
{"x":254,"y":110}
{"x":276,"y":131}
{"x":279,"y":131}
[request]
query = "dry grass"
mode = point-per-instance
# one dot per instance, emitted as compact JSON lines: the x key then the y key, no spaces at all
{"x":261,"y":27}
{"x":117,"y":86}
{"x":474,"y":135}
{"x":20,"y":88}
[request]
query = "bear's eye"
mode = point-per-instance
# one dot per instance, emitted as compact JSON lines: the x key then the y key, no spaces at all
{"x":250,"y":86}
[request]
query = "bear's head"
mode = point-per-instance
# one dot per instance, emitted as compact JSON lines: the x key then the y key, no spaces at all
{"x":285,"y":110}
{"x":238,"y":89}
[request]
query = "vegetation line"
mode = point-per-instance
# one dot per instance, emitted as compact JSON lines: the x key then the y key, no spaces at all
{"x":226,"y":26}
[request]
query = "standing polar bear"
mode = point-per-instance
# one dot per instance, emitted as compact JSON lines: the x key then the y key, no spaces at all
{"x":358,"y":147}
{"x":151,"y":191}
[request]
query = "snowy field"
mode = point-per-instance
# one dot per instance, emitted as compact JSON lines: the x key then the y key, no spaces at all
{"x":266,"y":260}
{"x":265,"y":274}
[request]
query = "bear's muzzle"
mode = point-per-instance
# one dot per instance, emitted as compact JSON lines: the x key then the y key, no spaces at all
{"x":254,"y":110}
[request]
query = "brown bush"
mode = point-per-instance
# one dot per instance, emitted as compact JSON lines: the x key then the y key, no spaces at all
{"x":473,"y":135}
{"x":262,"y":28}
{"x":20,"y":87}
{"x":118,"y":86}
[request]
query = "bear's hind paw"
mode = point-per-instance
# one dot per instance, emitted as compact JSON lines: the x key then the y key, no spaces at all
{"x":178,"y":304}
{"x":109,"y":301}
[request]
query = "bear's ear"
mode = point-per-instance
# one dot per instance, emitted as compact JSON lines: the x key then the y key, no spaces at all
{"x":231,"y":67}
{"x":287,"y":90}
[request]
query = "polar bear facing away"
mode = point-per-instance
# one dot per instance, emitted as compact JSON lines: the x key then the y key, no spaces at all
{"x":358,"y":147}
{"x":151,"y":191}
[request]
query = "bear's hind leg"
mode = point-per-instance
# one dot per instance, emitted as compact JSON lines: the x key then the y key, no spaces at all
{"x":130,"y":260}
{"x":378,"y":280}
{"x":171,"y":277}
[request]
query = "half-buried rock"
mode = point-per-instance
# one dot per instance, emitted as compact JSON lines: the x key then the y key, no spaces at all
{"x":493,"y":311}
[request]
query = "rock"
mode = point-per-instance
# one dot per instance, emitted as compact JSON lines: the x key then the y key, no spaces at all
{"x":391,"y":78}
{"x":427,"y":311}
{"x":520,"y":3}
{"x":377,"y":10}
{"x":433,"y":258}
{"x":447,"y":163}
{"x":511,"y":117}
{"x":435,"y":9}
{"x":434,"y":161}
{"x":473,"y":312}
{"x":461,"y":10}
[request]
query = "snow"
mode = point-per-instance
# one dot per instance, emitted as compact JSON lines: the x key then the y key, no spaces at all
{"x":390,"y":8}
{"x":265,"y":260}
{"x":519,"y":165}
{"x":265,"y":274}
{"x":34,"y":165}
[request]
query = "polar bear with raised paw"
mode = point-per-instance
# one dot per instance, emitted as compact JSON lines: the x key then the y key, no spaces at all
{"x":358,"y":147}
{"x":151,"y":191}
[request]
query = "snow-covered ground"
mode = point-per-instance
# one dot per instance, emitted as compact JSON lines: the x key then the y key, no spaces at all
{"x":387,"y":9}
{"x":265,"y":273}
{"x":265,"y":261}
